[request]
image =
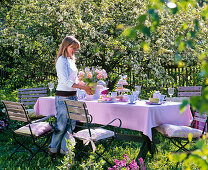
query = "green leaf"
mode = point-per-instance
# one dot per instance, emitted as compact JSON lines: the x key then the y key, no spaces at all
{"x":142,"y":18}
{"x":183,"y":105}
{"x":190,"y":136}
{"x":196,"y":22}
{"x":178,"y":58}
{"x":181,"y":46}
{"x":145,"y":46}
{"x":190,"y":44}
{"x":146,"y":31}
{"x":174,"y":10}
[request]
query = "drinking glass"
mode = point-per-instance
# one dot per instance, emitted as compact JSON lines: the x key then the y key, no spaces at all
{"x":171,"y":92}
{"x":51,"y":86}
{"x":138,"y":89}
{"x":135,"y":94}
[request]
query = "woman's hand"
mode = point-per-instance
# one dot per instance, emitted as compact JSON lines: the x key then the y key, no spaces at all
{"x":81,"y":83}
{"x":88,"y":90}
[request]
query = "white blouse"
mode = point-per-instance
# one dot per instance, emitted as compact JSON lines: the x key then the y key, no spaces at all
{"x":67,"y":74}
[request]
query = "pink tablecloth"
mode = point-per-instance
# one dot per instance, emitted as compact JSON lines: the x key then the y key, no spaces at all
{"x":45,"y":106}
{"x":139,"y":116}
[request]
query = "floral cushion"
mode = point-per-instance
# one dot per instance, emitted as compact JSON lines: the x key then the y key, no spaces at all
{"x":97,"y":134}
{"x":178,"y":131}
{"x":38,"y":129}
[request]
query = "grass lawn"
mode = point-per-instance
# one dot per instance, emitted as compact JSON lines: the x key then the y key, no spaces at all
{"x":117,"y":150}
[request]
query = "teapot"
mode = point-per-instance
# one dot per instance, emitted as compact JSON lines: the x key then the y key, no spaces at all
{"x":159,"y":96}
{"x":156,"y":94}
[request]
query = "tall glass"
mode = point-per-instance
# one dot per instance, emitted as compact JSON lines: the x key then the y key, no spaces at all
{"x":50,"y":86}
{"x":138,"y":90}
{"x":170,"y":92}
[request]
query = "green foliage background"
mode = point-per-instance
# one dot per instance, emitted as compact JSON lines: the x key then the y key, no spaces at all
{"x":135,"y":35}
{"x":31,"y":31}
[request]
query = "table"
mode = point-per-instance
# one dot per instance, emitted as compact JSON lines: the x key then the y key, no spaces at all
{"x":139,"y":116}
{"x":45,"y":106}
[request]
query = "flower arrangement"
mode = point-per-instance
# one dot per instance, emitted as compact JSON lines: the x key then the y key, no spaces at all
{"x":92,"y":75}
{"x":127,"y":164}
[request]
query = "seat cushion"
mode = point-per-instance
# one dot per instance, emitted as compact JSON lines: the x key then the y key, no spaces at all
{"x":178,"y":131}
{"x":97,"y":134}
{"x":38,"y":129}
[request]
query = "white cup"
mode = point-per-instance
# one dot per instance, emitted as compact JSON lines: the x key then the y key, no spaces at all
{"x":113,"y":94}
{"x":131,"y":98}
{"x":161,"y":98}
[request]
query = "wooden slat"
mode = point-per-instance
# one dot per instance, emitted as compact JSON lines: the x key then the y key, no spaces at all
{"x":29,"y":100}
{"x":32,"y":96}
{"x":15,"y":110}
{"x":74,"y":103}
{"x":204,"y":115}
{"x":188,"y":94}
{"x":78,"y":117}
{"x":11,"y":103}
{"x":19,"y":107}
{"x":32,"y":92}
{"x":200,"y":119}
{"x":32,"y":89}
{"x":77,"y":110}
{"x":18,"y":118}
{"x":190,"y":88}
{"x":15,"y":114}
{"x":29,"y":103}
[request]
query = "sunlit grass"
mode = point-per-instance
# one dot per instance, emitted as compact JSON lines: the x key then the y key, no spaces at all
{"x":116,"y":151}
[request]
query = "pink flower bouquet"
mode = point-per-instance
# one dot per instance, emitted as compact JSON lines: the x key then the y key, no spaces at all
{"x":91,"y":75}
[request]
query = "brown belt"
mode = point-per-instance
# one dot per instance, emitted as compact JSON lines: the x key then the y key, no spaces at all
{"x":66,"y":93}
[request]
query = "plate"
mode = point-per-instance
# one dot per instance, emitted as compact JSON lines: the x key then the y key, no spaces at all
{"x":108,"y":101}
{"x":150,"y":103}
{"x":132,"y":103}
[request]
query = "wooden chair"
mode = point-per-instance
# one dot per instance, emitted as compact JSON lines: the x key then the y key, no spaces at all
{"x":29,"y":97}
{"x":23,"y":129}
{"x":184,"y":93}
{"x":178,"y":135}
{"x":189,"y":91}
{"x":77,"y":110}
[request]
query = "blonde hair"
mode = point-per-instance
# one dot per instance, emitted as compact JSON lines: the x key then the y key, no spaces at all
{"x":67,"y":41}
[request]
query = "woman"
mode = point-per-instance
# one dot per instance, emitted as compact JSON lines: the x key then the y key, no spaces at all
{"x":67,"y":88}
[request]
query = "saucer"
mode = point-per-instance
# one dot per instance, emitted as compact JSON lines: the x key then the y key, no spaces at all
{"x":150,"y":103}
{"x":132,"y":103}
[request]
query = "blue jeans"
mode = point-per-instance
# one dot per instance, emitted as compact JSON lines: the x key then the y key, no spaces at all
{"x":62,"y":125}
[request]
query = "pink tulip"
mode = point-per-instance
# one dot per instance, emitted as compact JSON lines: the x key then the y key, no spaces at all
{"x":99,"y":76}
{"x":89,"y":75}
{"x":81,"y":73}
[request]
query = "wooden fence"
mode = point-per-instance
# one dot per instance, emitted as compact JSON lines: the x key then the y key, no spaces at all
{"x":189,"y":76}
